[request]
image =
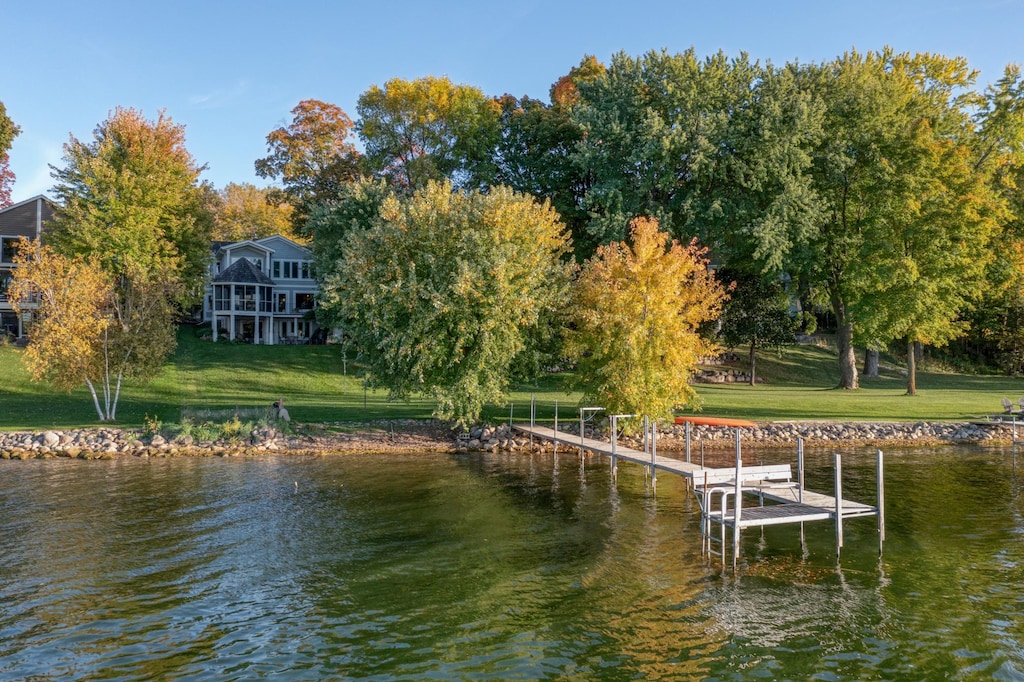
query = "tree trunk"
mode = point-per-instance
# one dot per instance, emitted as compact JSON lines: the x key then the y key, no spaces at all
{"x":95,"y":399}
{"x":844,"y":340}
{"x":871,"y":363}
{"x":911,"y":368}
{"x":753,"y":362}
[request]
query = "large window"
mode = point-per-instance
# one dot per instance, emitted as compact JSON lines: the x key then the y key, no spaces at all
{"x":245,"y":297}
{"x":266,"y":302}
{"x":8,"y":249}
{"x":222,"y":297}
{"x":303,"y":301}
{"x":291,"y":269}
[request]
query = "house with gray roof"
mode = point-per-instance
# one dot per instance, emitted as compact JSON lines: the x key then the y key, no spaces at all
{"x":28,"y":219}
{"x":261,"y":291}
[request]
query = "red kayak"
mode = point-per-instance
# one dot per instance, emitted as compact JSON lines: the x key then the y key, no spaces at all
{"x":714,"y":421}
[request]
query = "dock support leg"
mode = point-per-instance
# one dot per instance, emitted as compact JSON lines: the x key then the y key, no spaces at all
{"x":654,"y":454}
{"x":688,"y":444}
{"x":533,"y":418}
{"x":839,"y":504}
{"x":738,"y":504}
{"x":881,"y":503}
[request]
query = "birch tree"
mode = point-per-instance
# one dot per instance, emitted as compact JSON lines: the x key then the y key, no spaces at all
{"x":88,"y":326}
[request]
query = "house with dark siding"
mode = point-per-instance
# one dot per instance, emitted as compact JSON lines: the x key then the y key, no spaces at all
{"x":28,"y":219}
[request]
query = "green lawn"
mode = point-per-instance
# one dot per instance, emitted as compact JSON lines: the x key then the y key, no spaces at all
{"x":204,"y":375}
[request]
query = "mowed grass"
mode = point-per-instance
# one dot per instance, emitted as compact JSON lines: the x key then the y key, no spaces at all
{"x":202,"y":375}
{"x":317,"y":386}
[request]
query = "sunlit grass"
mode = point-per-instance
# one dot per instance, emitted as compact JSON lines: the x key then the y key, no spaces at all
{"x":315,"y":388}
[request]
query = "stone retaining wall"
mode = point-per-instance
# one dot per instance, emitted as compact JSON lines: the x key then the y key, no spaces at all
{"x":106,"y":443}
{"x":672,"y":438}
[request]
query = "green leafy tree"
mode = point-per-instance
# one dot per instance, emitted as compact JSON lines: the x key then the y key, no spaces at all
{"x":535,"y":151}
{"x":356,"y":207}
{"x":998,"y":319}
{"x":904,"y":237}
{"x":637,"y":310}
{"x":8,"y":131}
{"x":714,"y":148}
{"x":756,"y":315}
{"x":429,"y":129}
{"x":313,"y":157}
{"x":244,"y":211}
{"x":131,"y":198}
{"x":441,"y":292}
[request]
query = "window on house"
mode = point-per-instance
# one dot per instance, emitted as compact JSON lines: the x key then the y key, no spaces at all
{"x":8,"y":249}
{"x":222,"y":297}
{"x":266,"y":300}
{"x":305,"y":269}
{"x":282,"y":303}
{"x":303,"y":301}
{"x":246,"y":297}
{"x":276,"y":269}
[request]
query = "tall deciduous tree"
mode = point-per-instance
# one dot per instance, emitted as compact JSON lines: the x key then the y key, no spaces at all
{"x":8,"y":131}
{"x":131,"y":198}
{"x":441,"y":293}
{"x":998,"y":320}
{"x":244,"y":211}
{"x":356,"y":207}
{"x":637,"y":310}
{"x":904,"y":237}
{"x":756,"y":314}
{"x":89,"y":326}
{"x":429,"y":129}
{"x":535,"y":151}
{"x":313,"y":157}
{"x":714,"y":148}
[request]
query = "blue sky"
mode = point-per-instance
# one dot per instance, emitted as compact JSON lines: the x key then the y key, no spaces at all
{"x":232,"y":71}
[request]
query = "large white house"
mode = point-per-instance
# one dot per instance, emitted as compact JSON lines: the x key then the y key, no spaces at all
{"x":261,"y":291}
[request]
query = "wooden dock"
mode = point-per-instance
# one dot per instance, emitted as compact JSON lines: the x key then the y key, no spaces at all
{"x":717,"y":489}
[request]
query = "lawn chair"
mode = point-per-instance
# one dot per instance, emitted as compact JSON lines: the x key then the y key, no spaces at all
{"x":1007,"y":406}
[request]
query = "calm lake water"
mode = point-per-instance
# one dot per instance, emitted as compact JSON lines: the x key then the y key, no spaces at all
{"x":497,"y":567}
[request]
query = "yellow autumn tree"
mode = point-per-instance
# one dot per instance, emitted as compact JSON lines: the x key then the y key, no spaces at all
{"x":89,"y":326}
{"x":637,"y":309}
{"x":67,"y":299}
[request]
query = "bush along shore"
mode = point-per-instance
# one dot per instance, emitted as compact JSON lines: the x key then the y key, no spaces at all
{"x":410,"y":435}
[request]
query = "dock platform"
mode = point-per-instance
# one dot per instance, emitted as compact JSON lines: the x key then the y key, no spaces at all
{"x":717,"y":489}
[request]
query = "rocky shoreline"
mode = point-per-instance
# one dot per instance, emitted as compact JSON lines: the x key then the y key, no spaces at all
{"x":410,"y":436}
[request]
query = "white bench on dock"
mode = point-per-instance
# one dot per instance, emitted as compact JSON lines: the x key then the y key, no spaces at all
{"x":751,"y":476}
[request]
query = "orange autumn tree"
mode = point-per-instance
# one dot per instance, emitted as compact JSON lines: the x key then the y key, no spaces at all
{"x":637,"y":310}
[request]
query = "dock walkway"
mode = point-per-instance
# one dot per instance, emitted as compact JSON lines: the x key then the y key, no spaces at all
{"x":718,"y":488}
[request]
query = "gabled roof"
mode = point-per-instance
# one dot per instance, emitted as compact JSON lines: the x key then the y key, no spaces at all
{"x":242,"y":271}
{"x":266,"y":241}
{"x":30,"y":200}
{"x":224,"y":247}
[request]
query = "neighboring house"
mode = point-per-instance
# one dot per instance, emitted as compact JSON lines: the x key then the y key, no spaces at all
{"x":261,"y":291}
{"x":23,"y":219}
